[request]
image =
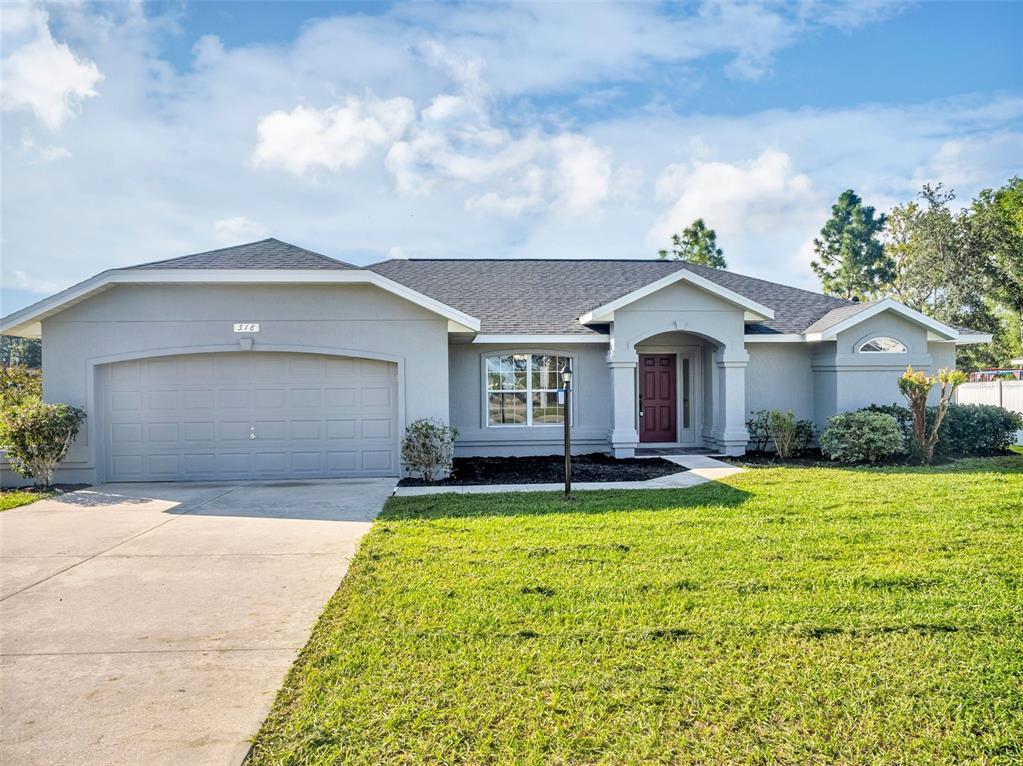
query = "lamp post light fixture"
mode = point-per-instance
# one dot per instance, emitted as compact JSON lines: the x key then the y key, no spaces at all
{"x":566,"y":377}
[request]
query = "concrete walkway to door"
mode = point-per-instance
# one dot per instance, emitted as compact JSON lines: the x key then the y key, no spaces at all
{"x":153,"y":623}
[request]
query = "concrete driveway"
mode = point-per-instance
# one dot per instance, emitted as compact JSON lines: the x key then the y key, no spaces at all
{"x":153,"y":623}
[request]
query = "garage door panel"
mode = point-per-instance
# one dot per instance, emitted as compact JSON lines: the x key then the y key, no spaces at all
{"x":163,"y":433}
{"x":377,"y":396}
{"x":198,"y":432}
{"x":193,"y":417}
{"x":198,"y":399}
{"x":164,"y":466}
{"x":270,"y":398}
{"x":161,"y":400}
{"x":125,"y":433}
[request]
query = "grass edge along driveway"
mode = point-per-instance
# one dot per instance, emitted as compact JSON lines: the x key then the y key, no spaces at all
{"x":778,"y":616}
{"x":15,"y":498}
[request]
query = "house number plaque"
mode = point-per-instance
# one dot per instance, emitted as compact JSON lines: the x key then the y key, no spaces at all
{"x":246,"y":327}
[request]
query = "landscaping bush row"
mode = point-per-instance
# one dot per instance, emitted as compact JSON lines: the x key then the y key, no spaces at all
{"x":879,"y":432}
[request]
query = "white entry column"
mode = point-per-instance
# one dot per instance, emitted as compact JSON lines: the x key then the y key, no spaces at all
{"x":624,"y":436}
{"x":730,"y":421}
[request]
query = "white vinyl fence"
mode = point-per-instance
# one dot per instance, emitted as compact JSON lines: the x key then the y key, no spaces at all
{"x":1001,"y":393}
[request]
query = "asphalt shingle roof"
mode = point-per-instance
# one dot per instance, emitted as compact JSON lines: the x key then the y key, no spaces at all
{"x":265,"y":254}
{"x":548,"y":296}
{"x":837,"y":315}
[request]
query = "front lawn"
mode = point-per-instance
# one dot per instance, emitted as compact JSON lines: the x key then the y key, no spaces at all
{"x":12,"y":498}
{"x":783,"y":615}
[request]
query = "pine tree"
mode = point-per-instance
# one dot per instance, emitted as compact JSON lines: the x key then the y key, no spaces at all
{"x":852,"y":262}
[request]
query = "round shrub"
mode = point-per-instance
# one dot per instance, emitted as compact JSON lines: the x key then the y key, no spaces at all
{"x":977,"y":429}
{"x":428,"y":448}
{"x":862,"y":437}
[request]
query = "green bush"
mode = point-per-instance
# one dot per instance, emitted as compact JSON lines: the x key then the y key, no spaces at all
{"x":968,"y":429}
{"x":862,"y":437}
{"x":36,"y":436}
{"x":977,"y":429}
{"x":428,"y":448}
{"x":17,"y":384}
{"x":788,"y":435}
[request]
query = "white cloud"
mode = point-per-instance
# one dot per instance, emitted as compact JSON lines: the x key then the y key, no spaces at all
{"x":969,"y":162}
{"x":396,"y":252}
{"x":333,"y":138}
{"x":237,"y":230}
{"x":494,"y":160}
{"x":753,"y":196}
{"x":39,"y":74}
{"x":21,"y":280}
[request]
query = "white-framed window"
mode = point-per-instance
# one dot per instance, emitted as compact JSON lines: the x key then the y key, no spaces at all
{"x":882,"y":345}
{"x":522,"y":389}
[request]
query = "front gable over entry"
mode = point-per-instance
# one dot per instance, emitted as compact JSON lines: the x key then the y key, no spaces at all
{"x":753,"y":311}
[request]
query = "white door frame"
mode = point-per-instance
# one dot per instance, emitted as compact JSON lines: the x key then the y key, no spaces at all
{"x":695,"y":356}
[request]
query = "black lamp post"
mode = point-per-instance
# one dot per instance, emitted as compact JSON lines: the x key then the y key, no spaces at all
{"x":566,"y":377}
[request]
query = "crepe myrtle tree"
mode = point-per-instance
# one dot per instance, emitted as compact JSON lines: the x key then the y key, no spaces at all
{"x":428,"y":448}
{"x":36,"y":436}
{"x":916,"y":386}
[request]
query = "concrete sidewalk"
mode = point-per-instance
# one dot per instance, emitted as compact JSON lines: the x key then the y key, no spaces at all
{"x":153,"y":624}
{"x":700,"y":470}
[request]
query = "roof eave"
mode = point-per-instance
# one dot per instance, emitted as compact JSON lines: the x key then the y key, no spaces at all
{"x":27,"y":321}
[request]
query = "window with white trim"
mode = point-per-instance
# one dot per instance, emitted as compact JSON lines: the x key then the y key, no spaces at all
{"x":522,"y":390}
{"x":882,"y":345}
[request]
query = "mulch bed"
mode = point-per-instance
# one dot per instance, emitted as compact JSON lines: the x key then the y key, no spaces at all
{"x":548,"y":469}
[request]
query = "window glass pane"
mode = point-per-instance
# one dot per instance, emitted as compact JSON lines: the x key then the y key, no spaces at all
{"x":685,"y":392}
{"x":506,"y":381}
{"x":506,"y":409}
{"x":547,"y":371}
{"x":546,"y":410}
{"x":883,"y":346}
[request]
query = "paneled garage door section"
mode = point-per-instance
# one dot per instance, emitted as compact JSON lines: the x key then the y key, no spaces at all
{"x":249,"y":415}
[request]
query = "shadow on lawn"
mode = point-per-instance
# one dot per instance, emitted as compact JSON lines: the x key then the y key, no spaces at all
{"x":710,"y":495}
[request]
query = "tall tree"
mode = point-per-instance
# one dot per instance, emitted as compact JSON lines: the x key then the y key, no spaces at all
{"x":998,"y":219}
{"x":941,"y":269}
{"x":696,"y":244}
{"x":24,"y":352}
{"x":851,"y":261}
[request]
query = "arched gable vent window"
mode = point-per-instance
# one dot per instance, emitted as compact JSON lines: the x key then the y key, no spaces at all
{"x":882,"y":345}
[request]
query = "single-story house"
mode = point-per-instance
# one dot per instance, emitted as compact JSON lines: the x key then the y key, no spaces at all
{"x":267,"y":360}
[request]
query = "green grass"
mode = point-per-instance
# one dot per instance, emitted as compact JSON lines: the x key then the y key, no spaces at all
{"x":12,"y":498}
{"x":810,"y":616}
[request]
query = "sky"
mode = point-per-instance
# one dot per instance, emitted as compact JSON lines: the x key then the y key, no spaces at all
{"x":138,"y":131}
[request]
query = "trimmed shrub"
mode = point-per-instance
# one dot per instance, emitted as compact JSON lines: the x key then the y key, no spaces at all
{"x":862,"y":437}
{"x":428,"y":448}
{"x":916,"y":387}
{"x":781,"y":429}
{"x":967,"y":429}
{"x":977,"y":429}
{"x":36,"y":436}
{"x":901,"y":414}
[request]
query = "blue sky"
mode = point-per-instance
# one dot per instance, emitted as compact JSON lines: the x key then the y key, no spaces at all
{"x":367,"y":131}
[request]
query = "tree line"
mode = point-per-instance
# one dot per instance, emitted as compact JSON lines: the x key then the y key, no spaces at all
{"x":961,"y":266}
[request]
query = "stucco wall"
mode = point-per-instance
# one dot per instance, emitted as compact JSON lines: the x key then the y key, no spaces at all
{"x":846,"y":380}
{"x":591,"y":404}
{"x":135,"y":320}
{"x":778,"y":377}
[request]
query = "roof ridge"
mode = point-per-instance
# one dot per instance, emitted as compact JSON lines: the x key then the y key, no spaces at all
{"x":681,"y":264}
{"x":229,"y":248}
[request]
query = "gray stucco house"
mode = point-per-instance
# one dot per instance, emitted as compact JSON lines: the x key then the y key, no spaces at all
{"x":266,"y":360}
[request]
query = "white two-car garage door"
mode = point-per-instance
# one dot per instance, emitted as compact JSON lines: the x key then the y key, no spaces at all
{"x":248,"y":415}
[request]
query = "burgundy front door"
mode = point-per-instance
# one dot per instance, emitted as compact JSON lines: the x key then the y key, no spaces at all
{"x":657,"y":398}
